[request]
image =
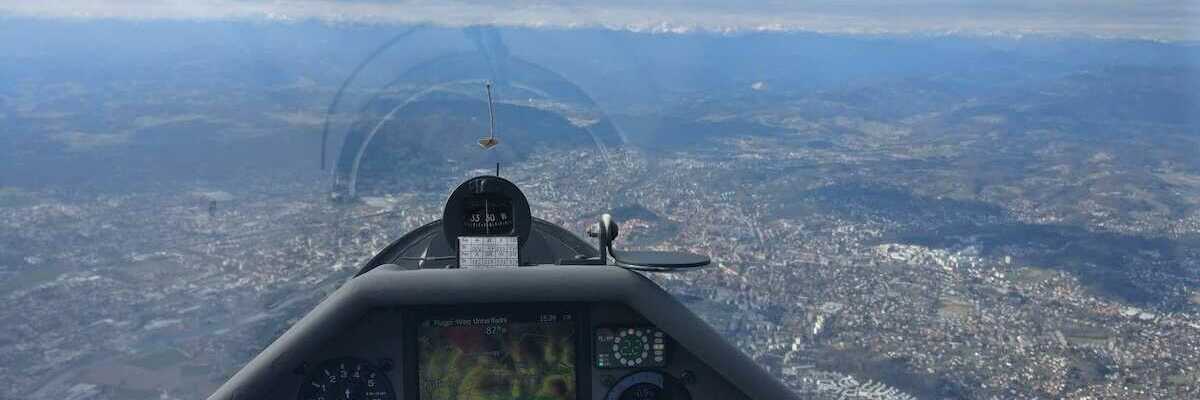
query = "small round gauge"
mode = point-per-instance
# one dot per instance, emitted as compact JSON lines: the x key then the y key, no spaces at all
{"x":648,"y":385}
{"x":346,"y":379}
{"x":631,"y":347}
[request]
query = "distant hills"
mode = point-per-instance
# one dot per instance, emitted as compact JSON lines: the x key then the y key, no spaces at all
{"x":74,"y":101}
{"x":439,"y":136}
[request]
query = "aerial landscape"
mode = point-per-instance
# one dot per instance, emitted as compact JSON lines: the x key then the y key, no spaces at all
{"x":890,"y":216}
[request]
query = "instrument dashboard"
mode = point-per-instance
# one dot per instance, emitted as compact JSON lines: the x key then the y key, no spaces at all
{"x":542,"y":351}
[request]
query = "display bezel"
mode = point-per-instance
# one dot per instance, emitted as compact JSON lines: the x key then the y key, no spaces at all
{"x":583,"y":348}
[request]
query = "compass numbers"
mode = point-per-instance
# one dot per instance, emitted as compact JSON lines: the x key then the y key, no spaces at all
{"x":488,"y":216}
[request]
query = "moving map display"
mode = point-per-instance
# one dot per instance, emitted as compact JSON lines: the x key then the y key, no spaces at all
{"x":497,"y":357}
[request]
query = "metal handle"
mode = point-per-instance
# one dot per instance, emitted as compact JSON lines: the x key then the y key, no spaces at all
{"x":606,"y":231}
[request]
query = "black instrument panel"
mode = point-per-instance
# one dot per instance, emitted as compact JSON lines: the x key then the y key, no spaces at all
{"x":508,"y":351}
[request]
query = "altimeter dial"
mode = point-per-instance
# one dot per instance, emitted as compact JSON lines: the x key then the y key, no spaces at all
{"x":346,"y":378}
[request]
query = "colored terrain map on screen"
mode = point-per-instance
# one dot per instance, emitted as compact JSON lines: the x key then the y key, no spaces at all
{"x":495,"y":358}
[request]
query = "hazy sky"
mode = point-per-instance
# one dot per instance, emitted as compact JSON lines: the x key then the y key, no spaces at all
{"x":1155,"y":19}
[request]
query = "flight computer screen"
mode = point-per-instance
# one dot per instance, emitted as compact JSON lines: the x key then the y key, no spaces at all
{"x":513,"y":356}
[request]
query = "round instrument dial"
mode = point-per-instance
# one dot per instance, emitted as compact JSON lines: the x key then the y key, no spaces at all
{"x":346,"y":379}
{"x":631,"y":347}
{"x":486,"y":206}
{"x":648,"y":385}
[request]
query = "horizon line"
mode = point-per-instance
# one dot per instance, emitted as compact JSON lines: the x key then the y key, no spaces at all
{"x":618,"y":19}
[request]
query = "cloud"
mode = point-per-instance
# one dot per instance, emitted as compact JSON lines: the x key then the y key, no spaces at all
{"x":1150,"y":19}
{"x":79,"y":141}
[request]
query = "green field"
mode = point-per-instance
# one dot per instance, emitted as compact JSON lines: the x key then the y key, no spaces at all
{"x":954,"y":308}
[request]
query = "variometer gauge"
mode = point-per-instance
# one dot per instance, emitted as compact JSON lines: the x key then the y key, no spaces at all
{"x":346,"y":378}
